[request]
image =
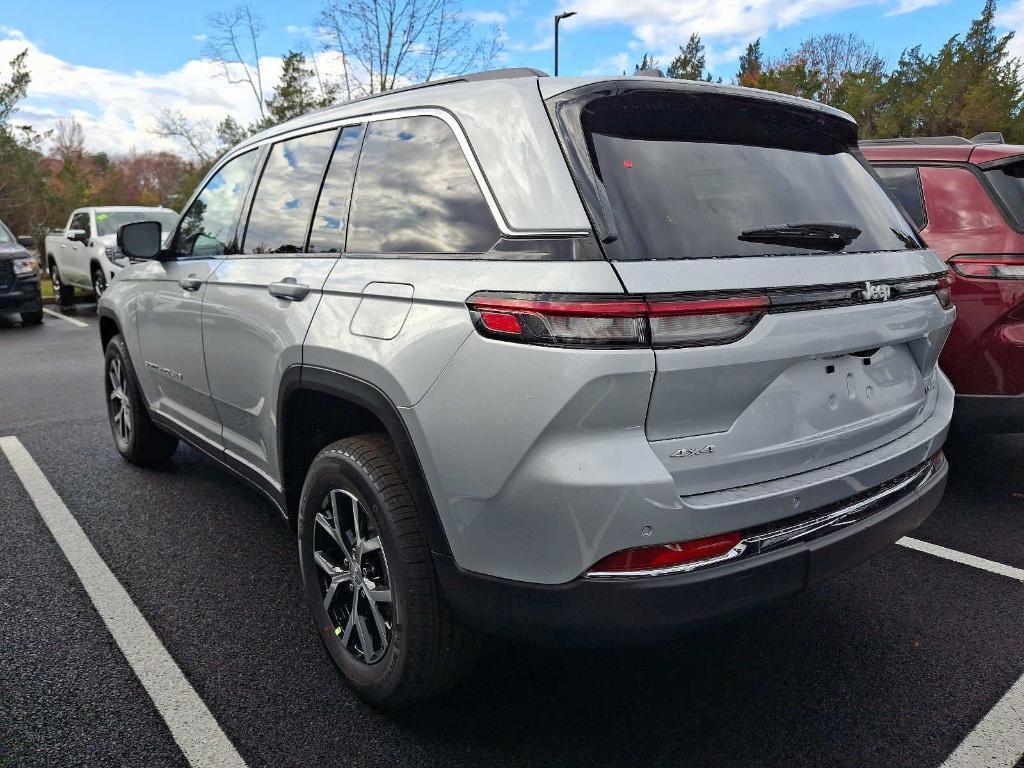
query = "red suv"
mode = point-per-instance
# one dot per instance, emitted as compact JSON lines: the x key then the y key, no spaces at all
{"x":967,"y":198}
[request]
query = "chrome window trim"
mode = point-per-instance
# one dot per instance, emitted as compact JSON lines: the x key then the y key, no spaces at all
{"x":806,"y":529}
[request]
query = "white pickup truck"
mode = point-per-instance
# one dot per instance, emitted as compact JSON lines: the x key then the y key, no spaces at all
{"x":84,"y":254}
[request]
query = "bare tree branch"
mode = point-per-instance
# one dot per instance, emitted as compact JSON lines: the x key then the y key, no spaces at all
{"x":197,"y":135}
{"x":387,"y":43}
{"x":234,"y":45}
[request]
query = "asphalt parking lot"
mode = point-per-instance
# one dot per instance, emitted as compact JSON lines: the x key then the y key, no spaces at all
{"x":895,"y":663}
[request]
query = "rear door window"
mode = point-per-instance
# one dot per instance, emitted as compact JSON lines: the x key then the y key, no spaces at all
{"x":416,"y":193}
{"x":330,"y":222}
{"x":280,"y":212}
{"x":687,"y":174}
{"x":1008,"y":183}
{"x":209,"y":222}
{"x":904,"y":184}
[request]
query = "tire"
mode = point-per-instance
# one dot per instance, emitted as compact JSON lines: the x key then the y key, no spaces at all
{"x":137,"y":438}
{"x":64,"y":294}
{"x":32,"y":318}
{"x":99,"y":281}
{"x":428,"y":649}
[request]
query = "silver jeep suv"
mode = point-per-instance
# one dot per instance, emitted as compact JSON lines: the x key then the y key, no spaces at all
{"x":570,"y":359}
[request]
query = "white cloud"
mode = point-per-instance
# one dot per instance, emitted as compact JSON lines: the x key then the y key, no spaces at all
{"x":909,"y":6}
{"x":1012,"y":19}
{"x":119,"y":110}
{"x":201,"y":37}
{"x":611,"y":65}
{"x":659,"y":24}
{"x":487,"y":17}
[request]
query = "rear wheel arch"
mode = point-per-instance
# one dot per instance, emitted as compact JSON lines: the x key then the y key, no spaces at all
{"x":318,"y":406}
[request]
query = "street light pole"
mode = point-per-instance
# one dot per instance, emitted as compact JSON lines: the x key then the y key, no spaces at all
{"x":558,"y":18}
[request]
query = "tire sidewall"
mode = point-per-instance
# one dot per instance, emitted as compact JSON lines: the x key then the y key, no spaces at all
{"x":334,"y":470}
{"x":116,"y":350}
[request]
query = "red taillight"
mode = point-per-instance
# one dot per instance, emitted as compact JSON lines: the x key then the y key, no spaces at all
{"x":616,"y":320}
{"x":992,"y":267}
{"x":667,"y":556}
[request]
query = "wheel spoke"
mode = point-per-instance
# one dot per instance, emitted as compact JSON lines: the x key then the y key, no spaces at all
{"x":113,"y":377}
{"x":365,"y":639}
{"x":355,"y":524}
{"x":326,"y":565}
{"x":328,"y":526}
{"x":382,"y":628}
{"x":379,"y":595}
{"x":332,"y":589}
{"x":369,"y":545}
{"x":353,"y":614}
{"x":338,"y":535}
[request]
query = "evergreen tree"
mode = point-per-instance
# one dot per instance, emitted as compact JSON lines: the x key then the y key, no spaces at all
{"x":689,"y":64}
{"x":647,"y":62}
{"x":295,"y":93}
{"x":751,"y":65}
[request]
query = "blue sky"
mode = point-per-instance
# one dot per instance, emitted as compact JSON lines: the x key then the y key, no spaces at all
{"x":114,"y":64}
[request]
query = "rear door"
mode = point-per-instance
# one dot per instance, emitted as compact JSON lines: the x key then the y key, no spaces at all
{"x":800,"y":319}
{"x":260,"y":302}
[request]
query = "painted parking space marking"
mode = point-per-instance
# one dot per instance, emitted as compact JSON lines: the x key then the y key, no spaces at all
{"x":65,"y":318}
{"x":998,"y":740}
{"x":963,"y":558}
{"x":189,"y":720}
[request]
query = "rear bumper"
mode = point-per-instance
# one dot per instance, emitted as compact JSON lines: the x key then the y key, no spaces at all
{"x":990,"y":413}
{"x":652,"y":608}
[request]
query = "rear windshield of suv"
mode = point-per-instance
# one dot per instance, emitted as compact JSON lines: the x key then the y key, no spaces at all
{"x":686,"y":174}
{"x":1008,"y":182}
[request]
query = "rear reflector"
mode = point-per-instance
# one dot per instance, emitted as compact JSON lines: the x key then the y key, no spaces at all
{"x":644,"y":560}
{"x":1010,"y":267}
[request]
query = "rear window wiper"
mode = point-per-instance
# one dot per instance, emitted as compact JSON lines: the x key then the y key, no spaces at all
{"x":829,"y":236}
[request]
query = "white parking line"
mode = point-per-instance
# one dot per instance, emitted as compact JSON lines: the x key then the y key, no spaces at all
{"x":190,"y":721}
{"x":963,"y":558}
{"x":65,"y":318}
{"x":998,"y":740}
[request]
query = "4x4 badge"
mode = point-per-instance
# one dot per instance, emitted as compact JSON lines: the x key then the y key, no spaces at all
{"x":873,"y":292}
{"x":684,"y":453}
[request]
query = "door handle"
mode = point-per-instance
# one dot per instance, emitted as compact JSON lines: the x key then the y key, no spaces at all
{"x":289,"y":289}
{"x":191,"y":283}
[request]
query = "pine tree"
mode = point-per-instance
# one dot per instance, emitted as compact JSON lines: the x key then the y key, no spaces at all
{"x":295,"y":94}
{"x":689,"y":64}
{"x":751,"y":65}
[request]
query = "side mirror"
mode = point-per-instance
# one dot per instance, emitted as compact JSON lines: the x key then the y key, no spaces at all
{"x":78,"y":235}
{"x":26,"y":241}
{"x":140,"y":239}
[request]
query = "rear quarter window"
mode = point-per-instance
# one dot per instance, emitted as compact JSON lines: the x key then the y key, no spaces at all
{"x":415,"y":193}
{"x":1008,"y":183}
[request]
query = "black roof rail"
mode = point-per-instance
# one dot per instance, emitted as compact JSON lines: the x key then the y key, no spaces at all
{"x":946,"y":140}
{"x":990,"y":137}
